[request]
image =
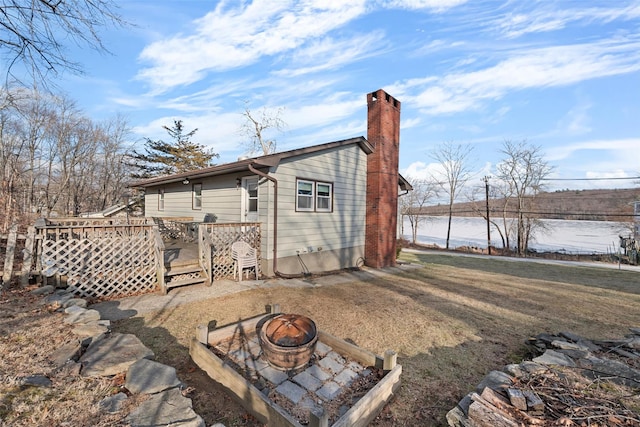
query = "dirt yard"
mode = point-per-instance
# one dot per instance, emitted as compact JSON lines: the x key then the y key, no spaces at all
{"x":451,"y":322}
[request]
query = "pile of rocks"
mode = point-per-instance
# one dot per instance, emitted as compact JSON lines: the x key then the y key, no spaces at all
{"x":97,"y":352}
{"x":559,"y":387}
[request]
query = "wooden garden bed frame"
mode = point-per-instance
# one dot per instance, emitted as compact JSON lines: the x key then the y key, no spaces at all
{"x":359,"y":415}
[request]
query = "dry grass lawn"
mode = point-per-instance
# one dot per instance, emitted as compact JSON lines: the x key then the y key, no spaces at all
{"x":451,"y":322}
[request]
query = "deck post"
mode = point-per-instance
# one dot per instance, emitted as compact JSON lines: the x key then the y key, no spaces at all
{"x":8,"y":260}
{"x":27,"y":260}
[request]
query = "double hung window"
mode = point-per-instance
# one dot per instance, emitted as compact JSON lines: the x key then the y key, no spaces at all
{"x":314,"y":196}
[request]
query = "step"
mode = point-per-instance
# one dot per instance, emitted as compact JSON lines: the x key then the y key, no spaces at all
{"x":173,"y":284}
{"x":175,"y":271}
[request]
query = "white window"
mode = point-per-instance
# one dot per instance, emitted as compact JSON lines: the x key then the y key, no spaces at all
{"x":304,"y":199}
{"x":161,"y":199}
{"x":312,"y":196}
{"x":323,"y":196}
{"x":197,"y":196}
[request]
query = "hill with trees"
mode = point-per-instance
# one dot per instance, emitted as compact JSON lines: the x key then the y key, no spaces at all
{"x":596,"y":205}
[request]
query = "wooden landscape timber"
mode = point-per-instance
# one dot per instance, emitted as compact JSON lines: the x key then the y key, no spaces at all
{"x":268,"y":412}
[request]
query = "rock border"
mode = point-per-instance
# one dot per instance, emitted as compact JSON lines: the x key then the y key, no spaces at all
{"x":497,"y":400}
{"x":98,"y":352}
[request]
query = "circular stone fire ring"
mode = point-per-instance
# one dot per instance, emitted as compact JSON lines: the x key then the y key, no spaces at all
{"x":287,"y":340}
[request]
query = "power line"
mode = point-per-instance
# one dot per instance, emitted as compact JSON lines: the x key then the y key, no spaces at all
{"x":589,"y":179}
{"x":500,"y":211}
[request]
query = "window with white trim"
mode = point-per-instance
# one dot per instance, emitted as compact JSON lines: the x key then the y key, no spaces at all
{"x":197,"y":196}
{"x":324,"y":192}
{"x":304,"y":198}
{"x":161,"y":199}
{"x":314,"y":196}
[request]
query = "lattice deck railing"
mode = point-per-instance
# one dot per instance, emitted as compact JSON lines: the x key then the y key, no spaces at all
{"x":100,"y":260}
{"x":215,"y":241}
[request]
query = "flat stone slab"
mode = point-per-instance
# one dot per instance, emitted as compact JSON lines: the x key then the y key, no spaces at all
{"x":273,"y":375}
{"x":169,"y":408}
{"x":44,"y":290}
{"x":329,"y":391}
{"x":149,"y":377}
{"x":330,"y":364}
{"x":69,"y":351}
{"x":345,"y":377}
{"x":317,"y":372}
{"x":112,"y":404}
{"x":36,"y":381}
{"x":113,"y":354}
{"x":552,"y":357}
{"x":90,"y":329}
{"x":495,"y":380}
{"x":82,"y":317}
{"x":308,"y":381}
{"x":75,"y":302}
{"x":74,"y":309}
{"x":291,"y":391}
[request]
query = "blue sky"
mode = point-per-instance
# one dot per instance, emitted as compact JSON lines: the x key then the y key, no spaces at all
{"x":564,"y":75}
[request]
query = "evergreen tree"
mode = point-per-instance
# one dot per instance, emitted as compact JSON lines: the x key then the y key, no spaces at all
{"x":166,"y":158}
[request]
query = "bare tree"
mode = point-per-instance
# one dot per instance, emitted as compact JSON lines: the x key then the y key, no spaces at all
{"x":32,"y":33}
{"x":523,"y":171}
{"x":454,"y":159}
{"x":258,"y":125}
{"x":54,"y":158}
{"x":411,"y":204}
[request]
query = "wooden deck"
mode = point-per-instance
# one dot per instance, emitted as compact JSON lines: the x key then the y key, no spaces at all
{"x":178,"y":252}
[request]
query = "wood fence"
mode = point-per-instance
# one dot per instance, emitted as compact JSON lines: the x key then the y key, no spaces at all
{"x":116,"y":256}
{"x":215,"y":240}
{"x":100,"y":260}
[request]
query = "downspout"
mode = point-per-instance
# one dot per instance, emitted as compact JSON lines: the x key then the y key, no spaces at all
{"x":275,"y":222}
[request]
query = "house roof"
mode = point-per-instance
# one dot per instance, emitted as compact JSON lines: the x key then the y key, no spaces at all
{"x":257,"y":162}
{"x":267,"y":161}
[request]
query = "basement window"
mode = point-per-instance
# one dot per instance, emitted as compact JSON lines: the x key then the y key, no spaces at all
{"x":314,"y":196}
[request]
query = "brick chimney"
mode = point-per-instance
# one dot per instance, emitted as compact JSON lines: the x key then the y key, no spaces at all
{"x":383,"y":133}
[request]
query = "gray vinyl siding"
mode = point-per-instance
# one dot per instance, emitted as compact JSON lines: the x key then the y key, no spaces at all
{"x":325,"y":239}
{"x":345,"y":167}
{"x":219,"y":196}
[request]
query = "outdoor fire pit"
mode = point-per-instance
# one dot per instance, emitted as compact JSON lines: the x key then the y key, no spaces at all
{"x":288,"y":373}
{"x":287,"y":340}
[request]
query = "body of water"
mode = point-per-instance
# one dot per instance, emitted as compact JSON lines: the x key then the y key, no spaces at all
{"x":557,"y":235}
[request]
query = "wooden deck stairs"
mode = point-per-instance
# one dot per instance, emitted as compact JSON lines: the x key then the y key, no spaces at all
{"x":181,"y":265}
{"x":187,"y":272}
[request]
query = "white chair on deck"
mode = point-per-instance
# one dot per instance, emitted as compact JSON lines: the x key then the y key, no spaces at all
{"x":244,"y":256}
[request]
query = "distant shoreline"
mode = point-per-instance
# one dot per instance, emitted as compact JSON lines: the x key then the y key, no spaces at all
{"x":590,"y":205}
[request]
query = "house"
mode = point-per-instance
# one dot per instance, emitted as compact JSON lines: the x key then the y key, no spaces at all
{"x":321,"y":208}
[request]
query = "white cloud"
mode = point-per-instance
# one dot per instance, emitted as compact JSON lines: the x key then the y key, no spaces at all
{"x":329,"y":54}
{"x":433,"y":5}
{"x":423,"y":171}
{"x":544,"y":19}
{"x":537,"y":68}
{"x":231,"y":37}
{"x":627,"y":147}
{"x":577,"y":120}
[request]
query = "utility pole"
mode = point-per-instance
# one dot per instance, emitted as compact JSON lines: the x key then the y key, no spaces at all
{"x":486,"y":189}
